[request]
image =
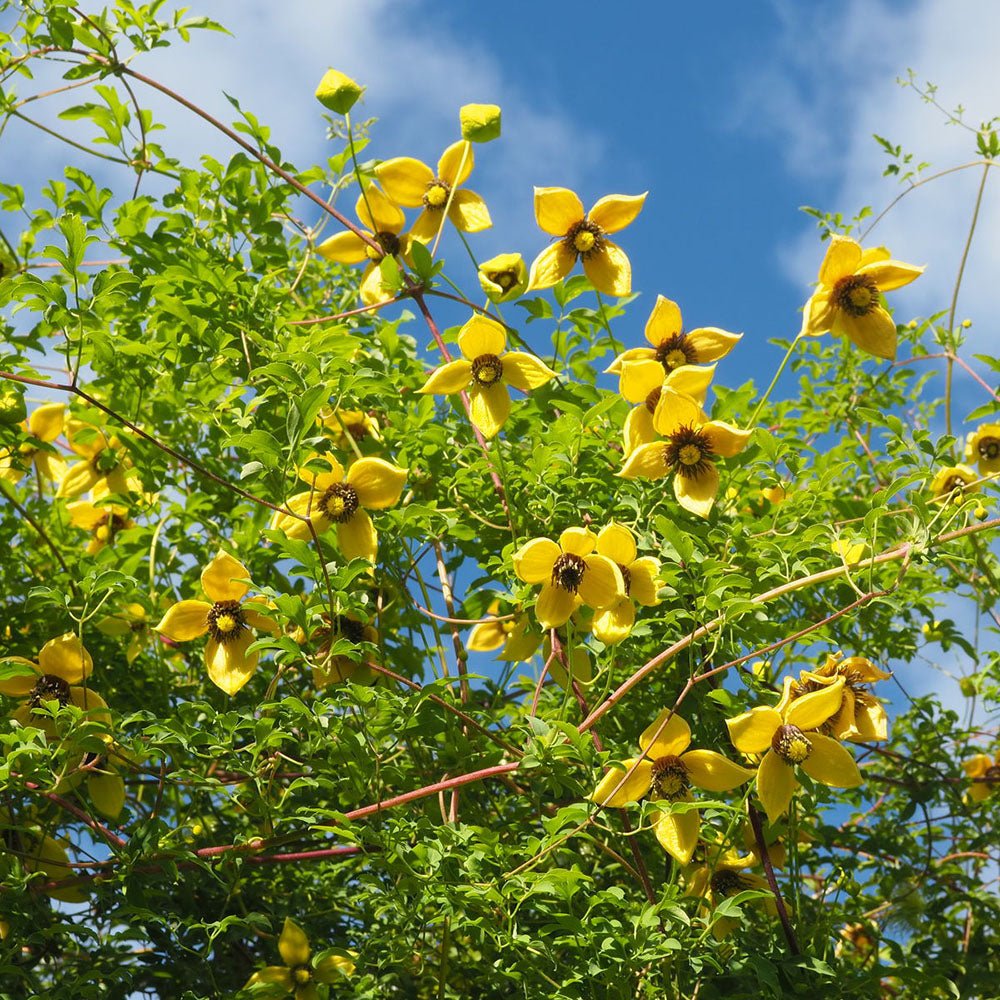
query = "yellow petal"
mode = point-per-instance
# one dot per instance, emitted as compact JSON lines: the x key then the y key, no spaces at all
{"x":677,"y":833}
{"x":614,"y":212}
{"x":372,"y":290}
{"x":637,"y":778}
{"x":67,"y":658}
{"x":46,"y":422}
{"x":534,"y":560}
{"x":481,"y":335}
{"x":609,"y":270}
{"x":843,"y":257}
{"x":891,"y":274}
{"x":675,"y":410}
{"x":185,"y":620}
{"x":977,"y":765}
{"x":557,"y":210}
{"x":551,"y":266}
{"x":486,"y":637}
{"x":525,"y":371}
{"x":871,"y":721}
{"x":522,"y":641}
{"x":21,"y":684}
{"x":331,"y":968}
{"x":697,"y":493}
{"x":638,"y":429}
{"x":776,"y":783}
{"x":578,"y":541}
{"x":405,"y":180}
{"x":645,"y":582}
{"x":274,"y":975}
{"x":710,"y":343}
{"x":49,"y":857}
{"x":489,"y":408}
{"x":427,"y":225}
{"x":691,"y":380}
{"x":753,"y":731}
{"x":321,"y":480}
{"x":725,"y":439}
{"x":357,"y":537}
{"x":813,"y":709}
{"x":602,"y":582}
{"x":344,"y":248}
{"x":665,"y":737}
{"x":830,"y":763}
{"x":554,"y":606}
{"x":378,"y":213}
{"x":874,"y":333}
{"x":648,"y":461}
{"x":617,"y":543}
{"x":713,"y":772}
{"x":818,"y":314}
{"x":468,"y":212}
{"x":379,"y":484}
{"x":451,"y":377}
{"x":579,"y":665}
{"x":50,"y":467}
{"x":107,"y":792}
{"x":456,"y":163}
{"x":83,"y":514}
{"x":664,"y":321}
{"x":637,"y":379}
{"x":632,"y":354}
{"x":222,"y":578}
{"x":229,"y":665}
{"x":293,"y":944}
{"x":80,"y":477}
{"x":614,"y":623}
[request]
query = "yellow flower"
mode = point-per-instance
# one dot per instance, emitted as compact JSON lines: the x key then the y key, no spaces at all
{"x":983,"y":447}
{"x":480,"y":122}
{"x":774,"y":495}
{"x":298,"y":975}
{"x":847,"y":300}
{"x":666,"y":771}
{"x":953,"y":482}
{"x":789,"y":737}
{"x":693,"y":444}
{"x":339,"y":667}
{"x":503,"y":277}
{"x":413,"y":184}
{"x":486,"y":371}
{"x":338,"y":92}
{"x":571,"y":574}
{"x":985,"y":772}
{"x":45,"y":425}
{"x":615,"y":622}
{"x":103,"y":464}
{"x":103,"y":520}
{"x":344,"y":500}
{"x":38,"y":852}
{"x":344,"y":424}
{"x":63,"y":665}
{"x":584,"y":235}
{"x":723,"y":878}
{"x":851,"y":552}
{"x":515,"y":634}
{"x":643,"y":382}
{"x":671,"y":346}
{"x":227,"y":621}
{"x":861,"y":716}
{"x":384,"y":221}
{"x":132,"y":621}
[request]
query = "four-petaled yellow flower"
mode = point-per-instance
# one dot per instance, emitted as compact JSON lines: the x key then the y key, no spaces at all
{"x":615,"y":622}
{"x":45,"y":425}
{"x":723,"y":878}
{"x":503,"y":277}
{"x":514,"y":634}
{"x":985,"y":772}
{"x":343,"y":426}
{"x":584,"y":235}
{"x":385,"y":221}
{"x":335,"y":668}
{"x":983,"y":447}
{"x":486,"y":371}
{"x":133,"y":622}
{"x":104,"y":463}
{"x":227,"y":620}
{"x":344,"y":500}
{"x":692,"y":446}
{"x":298,"y":975}
{"x":38,"y":852}
{"x":413,"y":184}
{"x":666,"y":772}
{"x":102,"y":519}
{"x":671,"y":346}
{"x":790,"y":738}
{"x":571,"y":574}
{"x":953,"y":481}
{"x":848,"y":299}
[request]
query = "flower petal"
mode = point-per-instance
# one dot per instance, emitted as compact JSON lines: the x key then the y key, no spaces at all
{"x":405,"y":179}
{"x":331,"y":968}
{"x":578,"y":541}
{"x":665,"y":737}
{"x":602,"y":582}
{"x":378,"y":212}
{"x":456,"y":163}
{"x":614,"y":212}
{"x":637,"y":379}
{"x":634,"y":781}
{"x":451,"y":377}
{"x":818,"y":314}
{"x":609,"y":270}
{"x":489,"y":408}
{"x":677,"y":832}
{"x":725,"y":439}
{"x":617,"y":543}
{"x":275,"y":975}
{"x":481,"y":335}
{"x":65,"y":657}
{"x":229,"y":665}
{"x":19,"y":685}
{"x":776,"y":783}
{"x":813,"y":709}
{"x":713,"y":772}
{"x":843,"y":257}
{"x":645,"y":583}
{"x":632,"y":354}
{"x":372,"y":290}
{"x":710,"y":343}
{"x":343,"y":248}
{"x":830,"y":763}
{"x":871,"y":720}
{"x":638,"y":429}
{"x":554,"y":606}
{"x":378,"y":483}
{"x":107,"y":792}
{"x":185,"y":620}
{"x":468,"y":212}
{"x":557,"y":210}
{"x":675,"y":410}
{"x":46,"y":422}
{"x":697,"y":493}
{"x":525,"y":371}
{"x":80,"y":477}
{"x":357,"y":537}
{"x":222,"y":578}
{"x":891,"y":274}
{"x":664,"y":321}
{"x":522,"y":641}
{"x":753,"y":731}
{"x":486,"y":637}
{"x":874,"y":333}
{"x":691,"y":380}
{"x":648,"y":461}
{"x":614,"y":623}
{"x":534,"y":560}
{"x":427,"y":225}
{"x":551,"y":266}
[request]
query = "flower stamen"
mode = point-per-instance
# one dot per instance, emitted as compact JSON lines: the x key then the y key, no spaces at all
{"x":790,"y":744}
{"x":389,"y":242}
{"x":226,"y":621}
{"x":585,"y":238}
{"x":568,"y":571}
{"x":487,"y":370}
{"x":675,"y":352}
{"x":688,"y":452}
{"x":856,"y":294}
{"x":49,"y":687}
{"x":670,"y":778}
{"x":338,"y":503}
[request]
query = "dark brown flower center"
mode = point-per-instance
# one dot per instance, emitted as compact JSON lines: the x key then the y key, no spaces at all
{"x":856,"y":294}
{"x":653,"y":398}
{"x":109,"y":526}
{"x":585,"y":238}
{"x":389,"y":242}
{"x":505,"y":279}
{"x":726,"y":883}
{"x":49,"y":687}
{"x":226,"y":621}
{"x":626,"y":578}
{"x":349,"y":628}
{"x":670,"y":778}
{"x":675,"y":352}
{"x":487,"y":369}
{"x":688,"y":452}
{"x":989,"y":448}
{"x":568,"y":571}
{"x":955,"y":484}
{"x":436,"y":194}
{"x":338,"y":503}
{"x":790,"y":744}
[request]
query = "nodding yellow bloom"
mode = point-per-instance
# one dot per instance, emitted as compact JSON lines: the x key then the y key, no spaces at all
{"x":45,"y":425}
{"x":413,"y":184}
{"x":329,"y":668}
{"x":985,"y":774}
{"x":102,"y":519}
{"x":38,"y":852}
{"x":848,"y":299}
{"x":643,"y":382}
{"x":299,"y":975}
{"x":571,"y":574}
{"x":342,"y":425}
{"x":665,"y":772}
{"x":584,"y":235}
{"x":132,"y":621}
{"x":104,"y":463}
{"x":640,"y":577}
{"x":953,"y":482}
{"x":791,"y":737}
{"x":693,"y":445}
{"x":486,"y":371}
{"x":861,"y":716}
{"x":774,"y":495}
{"x":344,"y":499}
{"x":722,"y":878}
{"x":515,"y":635}
{"x":671,"y":346}
{"x":983,"y":447}
{"x":384,"y":221}
{"x":503,"y":277}
{"x":225,"y":618}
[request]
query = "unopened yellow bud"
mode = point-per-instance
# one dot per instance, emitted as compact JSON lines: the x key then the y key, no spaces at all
{"x":480,"y":122}
{"x":503,"y":277}
{"x":338,"y":92}
{"x":774,"y":494}
{"x":966,"y":323}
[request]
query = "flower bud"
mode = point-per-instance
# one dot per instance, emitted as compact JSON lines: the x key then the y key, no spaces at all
{"x":338,"y":92}
{"x":503,"y":277}
{"x":12,"y":408}
{"x":480,"y":122}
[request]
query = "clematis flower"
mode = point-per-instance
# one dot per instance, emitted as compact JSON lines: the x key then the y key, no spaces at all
{"x":44,"y":425}
{"x":584,"y":235}
{"x":299,"y":975}
{"x":335,"y":668}
{"x":413,"y":184}
{"x":515,"y":636}
{"x":225,"y":618}
{"x":571,"y":574}
{"x":643,"y":382}
{"x":848,"y":299}
{"x":486,"y":371}
{"x":983,"y":447}
{"x":861,"y":715}
{"x":953,"y":481}
{"x":102,"y":519}
{"x":131,"y":621}
{"x":723,"y":878}
{"x":104,"y":463}
{"x":666,"y":772}
{"x":384,"y":221}
{"x":851,"y":552}
{"x":615,"y":622}
{"x":671,"y":346}
{"x":38,"y":852}
{"x":503,"y":277}
{"x":692,"y":446}
{"x":985,"y":774}
{"x":789,"y":738}
{"x":344,"y":499}
{"x":342,"y":425}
